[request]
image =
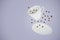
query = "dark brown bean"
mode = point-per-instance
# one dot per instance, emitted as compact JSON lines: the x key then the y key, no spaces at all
{"x":45,"y":19}
{"x":46,"y":10}
{"x":38,"y":21}
{"x":51,"y":16}
{"x":42,"y":17}
{"x":48,"y":20}
{"x":31,"y":19}
{"x":42,"y":26}
{"x":44,"y":22}
{"x":28,"y":7}
{"x":37,"y":26}
{"x":31,"y":22}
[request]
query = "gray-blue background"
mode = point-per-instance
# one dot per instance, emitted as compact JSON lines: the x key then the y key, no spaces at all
{"x":15,"y":22}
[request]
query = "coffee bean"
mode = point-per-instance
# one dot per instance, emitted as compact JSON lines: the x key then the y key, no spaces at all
{"x":37,"y":26}
{"x":42,"y":26}
{"x":31,"y":22}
